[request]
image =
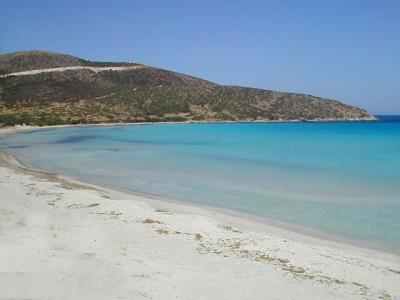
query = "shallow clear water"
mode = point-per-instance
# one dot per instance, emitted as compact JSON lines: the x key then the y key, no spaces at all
{"x":339,"y":178}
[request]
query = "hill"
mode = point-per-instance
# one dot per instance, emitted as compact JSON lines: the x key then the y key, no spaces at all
{"x":39,"y":87}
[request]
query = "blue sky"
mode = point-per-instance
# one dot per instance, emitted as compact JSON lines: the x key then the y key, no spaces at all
{"x":346,"y":50}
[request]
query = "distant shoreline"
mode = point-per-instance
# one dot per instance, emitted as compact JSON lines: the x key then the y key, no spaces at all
{"x":374,"y":119}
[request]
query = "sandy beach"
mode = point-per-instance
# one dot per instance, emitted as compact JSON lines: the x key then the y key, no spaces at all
{"x":64,"y":239}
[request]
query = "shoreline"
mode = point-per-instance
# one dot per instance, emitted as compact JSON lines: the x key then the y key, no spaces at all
{"x":267,"y":224}
{"x":240,"y":219}
{"x":288,"y":229}
{"x":318,"y":120}
{"x":178,"y":239}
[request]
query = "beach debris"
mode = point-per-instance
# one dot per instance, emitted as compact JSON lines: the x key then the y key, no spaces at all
{"x":151,"y":221}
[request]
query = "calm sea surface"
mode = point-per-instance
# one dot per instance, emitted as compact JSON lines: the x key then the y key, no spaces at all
{"x":339,"y":178}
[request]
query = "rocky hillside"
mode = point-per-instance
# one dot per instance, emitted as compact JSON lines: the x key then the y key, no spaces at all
{"x":49,"y":88}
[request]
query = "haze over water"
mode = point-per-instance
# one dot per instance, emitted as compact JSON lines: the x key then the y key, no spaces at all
{"x":339,"y":178}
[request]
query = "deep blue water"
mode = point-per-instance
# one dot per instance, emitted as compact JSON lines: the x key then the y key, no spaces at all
{"x":339,"y":178}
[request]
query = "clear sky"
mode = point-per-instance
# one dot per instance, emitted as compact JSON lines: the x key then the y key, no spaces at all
{"x":346,"y":50}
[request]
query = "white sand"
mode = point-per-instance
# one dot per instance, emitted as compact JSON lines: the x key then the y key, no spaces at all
{"x":63,"y":240}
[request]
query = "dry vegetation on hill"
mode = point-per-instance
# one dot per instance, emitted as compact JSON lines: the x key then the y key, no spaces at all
{"x":142,"y":94}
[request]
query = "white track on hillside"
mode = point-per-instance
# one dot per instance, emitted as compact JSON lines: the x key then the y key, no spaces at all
{"x":62,"y":69}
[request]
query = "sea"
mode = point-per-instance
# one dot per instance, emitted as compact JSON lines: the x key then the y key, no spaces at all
{"x":339,"y":179}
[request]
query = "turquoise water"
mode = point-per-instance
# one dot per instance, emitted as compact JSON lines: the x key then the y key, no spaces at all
{"x":339,"y":178}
